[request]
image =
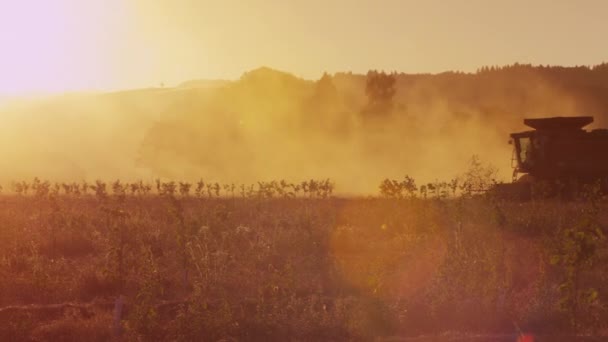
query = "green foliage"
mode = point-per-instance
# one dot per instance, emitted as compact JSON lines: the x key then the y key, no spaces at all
{"x":578,"y":251}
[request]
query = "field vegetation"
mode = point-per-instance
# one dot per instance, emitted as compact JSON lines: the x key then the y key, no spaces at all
{"x":278,"y":260}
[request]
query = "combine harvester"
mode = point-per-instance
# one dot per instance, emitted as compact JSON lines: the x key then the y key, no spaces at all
{"x":558,"y":156}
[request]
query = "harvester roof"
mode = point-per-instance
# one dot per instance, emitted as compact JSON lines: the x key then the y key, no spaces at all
{"x":559,"y":123}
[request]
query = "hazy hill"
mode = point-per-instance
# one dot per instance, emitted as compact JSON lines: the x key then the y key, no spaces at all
{"x":203,"y":84}
{"x":271,"y":124}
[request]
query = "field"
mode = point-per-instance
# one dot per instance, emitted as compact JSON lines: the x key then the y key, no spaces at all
{"x":156,"y":263}
{"x":267,"y":170}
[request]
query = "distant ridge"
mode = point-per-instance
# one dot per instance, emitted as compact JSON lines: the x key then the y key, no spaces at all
{"x":202,"y":83}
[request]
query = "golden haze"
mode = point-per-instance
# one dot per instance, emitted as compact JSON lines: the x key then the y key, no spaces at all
{"x":228,"y":130}
{"x":70,"y":45}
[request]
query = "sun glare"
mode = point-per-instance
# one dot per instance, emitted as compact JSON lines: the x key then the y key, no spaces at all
{"x":52,"y":46}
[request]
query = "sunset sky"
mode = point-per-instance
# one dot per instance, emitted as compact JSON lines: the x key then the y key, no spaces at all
{"x":67,"y":45}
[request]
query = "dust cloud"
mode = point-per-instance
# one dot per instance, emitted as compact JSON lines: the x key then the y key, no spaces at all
{"x":271,"y":125}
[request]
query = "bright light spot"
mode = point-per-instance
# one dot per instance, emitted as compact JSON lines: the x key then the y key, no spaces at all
{"x":52,"y":46}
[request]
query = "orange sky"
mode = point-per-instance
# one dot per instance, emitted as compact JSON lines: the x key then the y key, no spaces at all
{"x":66,"y":45}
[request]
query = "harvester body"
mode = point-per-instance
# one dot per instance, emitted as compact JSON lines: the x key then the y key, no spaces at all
{"x":560,"y":149}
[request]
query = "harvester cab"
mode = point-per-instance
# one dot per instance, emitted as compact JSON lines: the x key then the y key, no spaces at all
{"x":559,"y":148}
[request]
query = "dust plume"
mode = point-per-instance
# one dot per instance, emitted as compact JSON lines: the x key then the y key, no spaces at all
{"x":271,"y":125}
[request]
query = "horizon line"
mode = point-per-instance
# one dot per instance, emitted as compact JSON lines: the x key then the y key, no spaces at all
{"x":37,"y":95}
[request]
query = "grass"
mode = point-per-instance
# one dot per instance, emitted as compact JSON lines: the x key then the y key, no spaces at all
{"x":308,"y":268}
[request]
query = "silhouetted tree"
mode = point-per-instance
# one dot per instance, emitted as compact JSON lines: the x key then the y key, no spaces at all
{"x":325,"y":108}
{"x":326,"y":93}
{"x":380,"y":89}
